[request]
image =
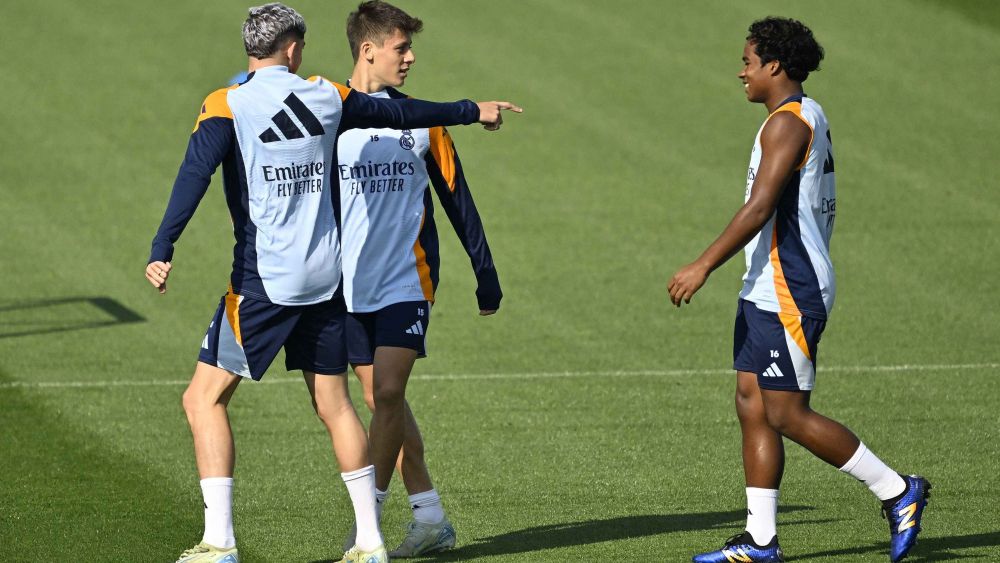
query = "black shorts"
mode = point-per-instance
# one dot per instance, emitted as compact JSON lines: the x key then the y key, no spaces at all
{"x":402,"y":325}
{"x":779,"y":348}
{"x":246,"y":334}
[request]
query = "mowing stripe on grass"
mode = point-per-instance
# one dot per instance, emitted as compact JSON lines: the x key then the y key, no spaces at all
{"x":524,"y":375}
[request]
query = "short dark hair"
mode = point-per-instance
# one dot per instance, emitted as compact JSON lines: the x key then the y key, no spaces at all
{"x":789,"y":42}
{"x":374,"y":21}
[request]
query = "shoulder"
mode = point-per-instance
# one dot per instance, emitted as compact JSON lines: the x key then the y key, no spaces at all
{"x":787,"y":137}
{"x":800,"y":108}
{"x":322,"y":81}
{"x":786,"y":126}
{"x":216,"y":104}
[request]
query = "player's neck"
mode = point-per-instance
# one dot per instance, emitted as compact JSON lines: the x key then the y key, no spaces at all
{"x":364,"y":82}
{"x":781,"y":94}
{"x":257,"y":64}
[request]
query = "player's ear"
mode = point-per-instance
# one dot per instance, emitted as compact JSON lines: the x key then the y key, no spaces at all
{"x":774,"y":68}
{"x":367,"y":51}
{"x":293,"y":54}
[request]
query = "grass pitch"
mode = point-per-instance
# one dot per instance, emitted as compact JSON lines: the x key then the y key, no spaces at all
{"x":587,"y":421}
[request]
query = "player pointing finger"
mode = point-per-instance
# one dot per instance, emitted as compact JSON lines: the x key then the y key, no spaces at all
{"x":489,"y":113}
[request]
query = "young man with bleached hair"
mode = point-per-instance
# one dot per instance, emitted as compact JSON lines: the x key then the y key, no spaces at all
{"x":274,"y":135}
{"x":784,"y":228}
{"x":391,"y":260}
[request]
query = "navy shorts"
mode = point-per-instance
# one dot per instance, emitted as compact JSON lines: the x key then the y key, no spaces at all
{"x":246,"y":334}
{"x":779,"y":348}
{"x":402,"y":325}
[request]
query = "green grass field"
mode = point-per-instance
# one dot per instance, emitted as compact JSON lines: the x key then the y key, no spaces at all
{"x":589,"y":420}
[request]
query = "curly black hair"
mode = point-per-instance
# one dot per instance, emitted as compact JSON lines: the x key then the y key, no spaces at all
{"x":789,"y":42}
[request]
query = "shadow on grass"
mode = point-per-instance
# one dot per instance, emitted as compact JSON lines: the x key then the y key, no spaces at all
{"x":67,"y":496}
{"x":927,"y":549}
{"x":595,"y":531}
{"x":48,"y":316}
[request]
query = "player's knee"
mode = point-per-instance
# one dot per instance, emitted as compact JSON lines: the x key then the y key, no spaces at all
{"x":783,"y":420}
{"x":389,"y":395}
{"x":329,"y":412}
{"x":193,"y":402}
{"x":776,"y":420}
{"x":323,"y":412}
{"x":748,"y":406}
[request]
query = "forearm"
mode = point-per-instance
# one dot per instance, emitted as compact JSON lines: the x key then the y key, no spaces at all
{"x":745,"y":225}
{"x":468,"y":226}
{"x":184,"y":199}
{"x":362,"y":111}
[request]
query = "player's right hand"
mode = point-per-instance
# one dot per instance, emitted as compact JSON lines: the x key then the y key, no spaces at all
{"x":686,"y":282}
{"x":156,"y":273}
{"x":489,"y":113}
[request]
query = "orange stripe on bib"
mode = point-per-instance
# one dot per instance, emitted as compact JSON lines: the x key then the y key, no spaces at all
{"x":785,"y":300}
{"x":423,"y":270}
{"x":793,"y":325}
{"x":443,"y":150}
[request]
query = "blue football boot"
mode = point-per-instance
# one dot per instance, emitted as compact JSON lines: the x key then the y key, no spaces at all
{"x":742,"y":549}
{"x":904,"y":516}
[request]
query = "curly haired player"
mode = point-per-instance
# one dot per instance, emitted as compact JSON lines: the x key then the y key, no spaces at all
{"x":784,"y":228}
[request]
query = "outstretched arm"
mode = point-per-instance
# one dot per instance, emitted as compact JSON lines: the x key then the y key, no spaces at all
{"x":446,"y":175}
{"x":784,"y":143}
{"x":362,"y":111}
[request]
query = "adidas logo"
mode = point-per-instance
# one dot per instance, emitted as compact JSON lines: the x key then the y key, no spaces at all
{"x":417,"y":328}
{"x":773,"y":371}
{"x":288,"y":127}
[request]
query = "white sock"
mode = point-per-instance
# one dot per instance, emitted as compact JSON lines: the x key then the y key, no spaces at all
{"x":762,"y":514}
{"x":218,"y":495}
{"x":877,"y":476}
{"x":361,"y":487}
{"x":380,"y":497}
{"x":426,"y":507}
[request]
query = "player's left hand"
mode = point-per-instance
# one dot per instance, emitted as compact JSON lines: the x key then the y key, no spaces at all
{"x":686,"y":282}
{"x":488,"y":294}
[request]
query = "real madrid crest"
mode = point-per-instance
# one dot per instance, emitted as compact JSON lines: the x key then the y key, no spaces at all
{"x":406,"y":141}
